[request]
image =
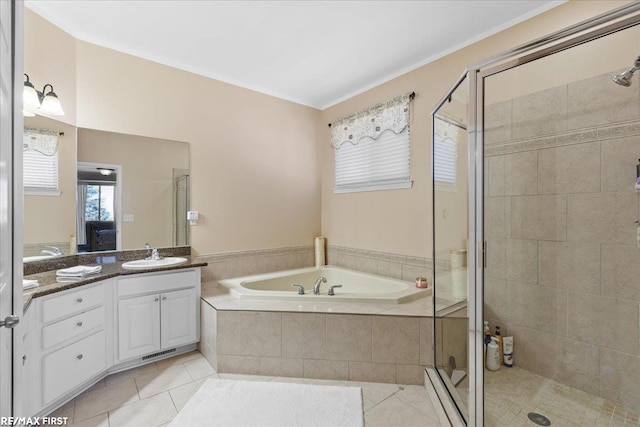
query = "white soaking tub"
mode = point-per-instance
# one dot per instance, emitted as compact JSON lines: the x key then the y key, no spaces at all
{"x":356,"y":286}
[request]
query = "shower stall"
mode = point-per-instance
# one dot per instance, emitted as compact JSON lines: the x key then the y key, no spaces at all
{"x":537,"y":176}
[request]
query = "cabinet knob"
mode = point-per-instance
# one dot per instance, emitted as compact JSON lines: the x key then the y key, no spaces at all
{"x":79,"y":324}
{"x":79,"y":300}
{"x":156,"y":299}
{"x":79,"y":357}
{"x":24,"y":358}
{"x":164,"y":298}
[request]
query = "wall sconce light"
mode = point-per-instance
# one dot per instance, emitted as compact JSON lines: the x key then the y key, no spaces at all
{"x":45,"y":102}
{"x":106,"y":171}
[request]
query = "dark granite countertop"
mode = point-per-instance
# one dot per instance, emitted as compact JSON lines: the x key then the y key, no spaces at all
{"x":111,"y":267}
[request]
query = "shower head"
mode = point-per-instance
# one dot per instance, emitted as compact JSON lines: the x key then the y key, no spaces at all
{"x":624,"y":79}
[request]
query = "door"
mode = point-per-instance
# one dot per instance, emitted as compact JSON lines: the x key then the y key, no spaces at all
{"x":138,"y":326}
{"x":178,"y":318}
{"x":7,"y":89}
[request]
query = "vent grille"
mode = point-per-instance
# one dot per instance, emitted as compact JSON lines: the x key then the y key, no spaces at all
{"x":151,"y":356}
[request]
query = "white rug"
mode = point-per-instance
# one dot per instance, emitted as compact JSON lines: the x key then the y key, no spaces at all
{"x":265,"y":404}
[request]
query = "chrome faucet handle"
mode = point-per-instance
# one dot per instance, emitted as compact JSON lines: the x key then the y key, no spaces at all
{"x":300,"y":288}
{"x":331,"y":293}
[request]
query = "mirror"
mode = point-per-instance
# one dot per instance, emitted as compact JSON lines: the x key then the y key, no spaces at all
{"x":142,"y":194}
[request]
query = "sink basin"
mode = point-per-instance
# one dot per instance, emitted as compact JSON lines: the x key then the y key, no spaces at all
{"x":141,"y":264}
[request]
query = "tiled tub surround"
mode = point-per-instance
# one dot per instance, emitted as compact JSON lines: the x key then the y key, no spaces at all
{"x":336,"y":341}
{"x":563,"y":270}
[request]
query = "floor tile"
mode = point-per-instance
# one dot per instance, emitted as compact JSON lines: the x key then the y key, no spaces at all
{"x":101,"y":420}
{"x":164,"y":379}
{"x":199,"y":368}
{"x":130,"y":374}
{"x":96,"y":402}
{"x":151,"y":412}
{"x":65,"y":411}
{"x":181,"y":395}
{"x":181,"y":358}
{"x":394,"y":412}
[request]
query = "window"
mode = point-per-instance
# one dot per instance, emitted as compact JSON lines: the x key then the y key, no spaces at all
{"x":445,"y":159}
{"x":373,"y":149}
{"x":99,"y":203}
{"x":40,"y":162}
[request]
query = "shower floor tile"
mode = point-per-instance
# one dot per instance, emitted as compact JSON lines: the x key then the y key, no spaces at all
{"x":511,"y":393}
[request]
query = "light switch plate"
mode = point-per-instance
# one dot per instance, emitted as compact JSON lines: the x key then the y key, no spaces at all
{"x":128,"y":218}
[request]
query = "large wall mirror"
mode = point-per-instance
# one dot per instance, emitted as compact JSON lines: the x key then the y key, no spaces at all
{"x":88,"y":190}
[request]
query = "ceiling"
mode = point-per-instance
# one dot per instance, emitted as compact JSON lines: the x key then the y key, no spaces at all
{"x":315,"y":53}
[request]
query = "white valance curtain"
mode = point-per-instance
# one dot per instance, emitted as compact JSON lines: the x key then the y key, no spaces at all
{"x":40,"y":140}
{"x":392,"y":115}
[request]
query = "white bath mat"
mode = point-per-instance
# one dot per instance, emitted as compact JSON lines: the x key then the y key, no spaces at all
{"x":228,"y":403}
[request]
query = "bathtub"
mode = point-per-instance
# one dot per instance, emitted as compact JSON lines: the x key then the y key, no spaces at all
{"x":356,"y":286}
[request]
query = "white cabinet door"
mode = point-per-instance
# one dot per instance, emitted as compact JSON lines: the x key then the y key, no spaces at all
{"x":138,"y":326}
{"x":178,"y":318}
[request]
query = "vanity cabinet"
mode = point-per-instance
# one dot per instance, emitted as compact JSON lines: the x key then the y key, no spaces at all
{"x":157,"y":312}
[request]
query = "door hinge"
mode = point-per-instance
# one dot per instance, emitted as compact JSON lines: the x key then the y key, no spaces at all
{"x":482,"y":253}
{"x":10,"y":321}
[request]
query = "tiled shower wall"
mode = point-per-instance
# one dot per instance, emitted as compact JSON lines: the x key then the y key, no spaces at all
{"x":563,"y":266}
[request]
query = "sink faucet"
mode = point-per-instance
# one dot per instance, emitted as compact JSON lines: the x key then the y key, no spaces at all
{"x":153,"y":254}
{"x":51,"y":250}
{"x":316,"y":287}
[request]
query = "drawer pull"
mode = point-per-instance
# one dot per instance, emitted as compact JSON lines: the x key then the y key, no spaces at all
{"x":79,"y":357}
{"x":79,"y":324}
{"x":156,"y":299}
{"x":164,"y":298}
{"x":79,"y":300}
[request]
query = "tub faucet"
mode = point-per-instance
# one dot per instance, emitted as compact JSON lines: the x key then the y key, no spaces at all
{"x":51,"y":250}
{"x":316,"y":287}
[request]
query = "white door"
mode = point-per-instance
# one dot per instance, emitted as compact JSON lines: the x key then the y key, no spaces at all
{"x":178,"y":318}
{"x":138,"y":326}
{"x":6,"y":206}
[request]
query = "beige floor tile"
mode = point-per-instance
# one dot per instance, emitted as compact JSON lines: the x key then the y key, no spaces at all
{"x":394,"y":412}
{"x":130,"y":374}
{"x":101,"y":420}
{"x":377,"y":392}
{"x":96,"y":402}
{"x":181,"y":358}
{"x":65,"y":411}
{"x":151,"y":412}
{"x":181,"y":395}
{"x":199,"y":367}
{"x":417,"y":397}
{"x":165,"y":379}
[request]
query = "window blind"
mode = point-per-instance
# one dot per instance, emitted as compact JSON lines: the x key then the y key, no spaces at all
{"x":40,"y":172}
{"x":383,"y":163}
{"x":445,"y":159}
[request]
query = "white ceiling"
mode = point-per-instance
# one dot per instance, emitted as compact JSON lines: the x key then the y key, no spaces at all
{"x":315,"y":53}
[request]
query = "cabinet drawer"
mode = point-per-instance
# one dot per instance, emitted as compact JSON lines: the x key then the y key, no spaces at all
{"x":71,"y":366}
{"x":72,"y":302}
{"x":157,"y":283}
{"x":71,"y":327}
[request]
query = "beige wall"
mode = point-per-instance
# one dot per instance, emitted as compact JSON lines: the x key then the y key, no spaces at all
{"x":52,"y":219}
{"x":400,"y":221}
{"x":254,"y":159}
{"x":147,"y":181}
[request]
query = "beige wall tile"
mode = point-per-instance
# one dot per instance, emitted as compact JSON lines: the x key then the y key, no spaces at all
{"x":522,"y":260}
{"x":495,"y":299}
{"x":620,"y":377}
{"x":496,"y":258}
{"x":538,"y":307}
{"x":348,"y":337}
{"x":249,"y":365}
{"x":426,"y":341}
{"x":539,"y":217}
{"x":621,"y":272}
{"x":410,"y":374}
{"x":525,"y":346}
{"x":390,"y":269}
{"x":281,"y":367}
{"x":372,"y":372}
{"x":521,"y":173}
{"x":304,"y":335}
{"x":497,"y":122}
{"x":602,"y":218}
{"x":540,"y":113}
{"x":497,"y":216}
{"x":619,"y":160}
{"x":395,"y":339}
{"x":326,"y":369}
{"x":261,"y":333}
{"x":605,"y":321}
{"x":494,"y":176}
{"x":596,"y":101}
{"x":209,"y":354}
{"x":574,"y":266}
{"x":455,"y":336}
{"x":569,"y":169}
{"x":568,"y":361}
{"x":410,"y":272}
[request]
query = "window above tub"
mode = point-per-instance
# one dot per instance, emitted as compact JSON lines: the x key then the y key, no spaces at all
{"x":372,"y":148}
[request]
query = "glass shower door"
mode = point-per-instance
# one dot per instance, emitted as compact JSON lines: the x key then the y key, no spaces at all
{"x":450,"y":231}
